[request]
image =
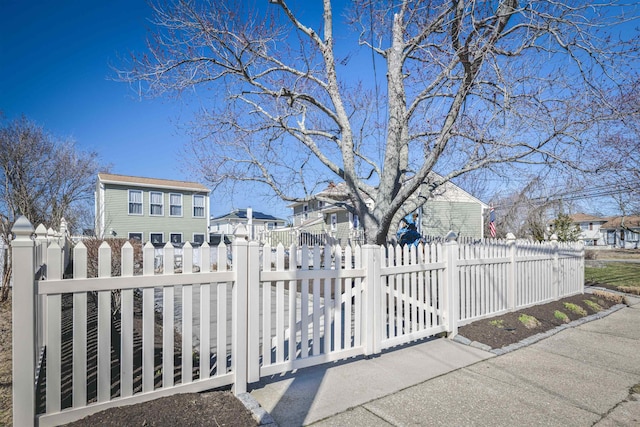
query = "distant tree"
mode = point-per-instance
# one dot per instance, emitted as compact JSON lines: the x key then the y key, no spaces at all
{"x":525,"y":212}
{"x":565,"y":229}
{"x":41,"y":177}
{"x":414,"y":87}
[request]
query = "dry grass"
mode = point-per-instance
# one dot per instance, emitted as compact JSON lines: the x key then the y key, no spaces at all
{"x":5,"y":363}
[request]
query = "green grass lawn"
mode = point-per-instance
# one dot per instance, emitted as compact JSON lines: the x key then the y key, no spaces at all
{"x":617,"y":275}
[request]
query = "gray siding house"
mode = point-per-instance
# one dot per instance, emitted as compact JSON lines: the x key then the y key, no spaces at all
{"x":449,"y":209}
{"x":150,"y":209}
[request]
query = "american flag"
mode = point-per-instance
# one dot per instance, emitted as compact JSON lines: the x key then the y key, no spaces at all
{"x":492,"y":222}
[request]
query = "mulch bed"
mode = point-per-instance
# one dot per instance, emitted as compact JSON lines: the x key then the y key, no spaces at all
{"x":216,"y":408}
{"x":501,"y":331}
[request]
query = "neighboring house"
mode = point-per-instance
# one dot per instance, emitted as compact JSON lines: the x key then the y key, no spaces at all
{"x":449,"y":208}
{"x":622,"y":232}
{"x":151,"y":210}
{"x":590,"y":228}
{"x":256,"y":223}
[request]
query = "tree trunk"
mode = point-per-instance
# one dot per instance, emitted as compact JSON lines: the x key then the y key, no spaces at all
{"x":6,"y":275}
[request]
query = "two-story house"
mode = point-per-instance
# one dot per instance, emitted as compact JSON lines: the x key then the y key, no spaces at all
{"x":150,"y":209}
{"x":590,"y":228}
{"x":450,"y":208}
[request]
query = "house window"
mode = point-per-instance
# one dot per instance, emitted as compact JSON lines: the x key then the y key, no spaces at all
{"x":320,"y":204}
{"x":175,"y":204}
{"x":271,"y":225}
{"x":198,"y":206}
{"x":156,"y":238}
{"x":155,"y":203}
{"x":334,"y":222}
{"x":590,"y":226}
{"x":135,"y":202}
{"x":198,"y":238}
{"x":176,"y":237}
{"x":305,"y":212}
{"x":135,"y":236}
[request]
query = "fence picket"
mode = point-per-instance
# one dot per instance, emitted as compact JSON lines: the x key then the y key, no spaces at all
{"x":316,"y":303}
{"x":126,"y":324}
{"x":104,"y":326}
{"x":292,"y":288}
{"x":79,"y":329}
{"x":187,"y":331}
{"x":280,"y":311}
{"x":168,"y":313}
{"x":304,"y":305}
{"x":148,"y":321}
{"x":327,"y":301}
{"x":337,"y":302}
{"x":266,"y":309}
{"x":54,"y":321}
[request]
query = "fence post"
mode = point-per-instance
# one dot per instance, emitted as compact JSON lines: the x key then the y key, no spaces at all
{"x":253,"y":301}
{"x":451,"y":287}
{"x":556,"y":267}
{"x":511,"y":273}
{"x":372,"y":300}
{"x":239,"y":311}
{"x":24,"y":323}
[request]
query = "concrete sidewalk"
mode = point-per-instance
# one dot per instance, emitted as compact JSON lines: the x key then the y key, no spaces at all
{"x":581,"y":376}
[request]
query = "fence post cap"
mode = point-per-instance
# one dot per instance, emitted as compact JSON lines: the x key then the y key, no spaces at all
{"x":511,"y":236}
{"x":554,"y":237}
{"x":22,"y":227}
{"x":241,"y":231}
{"x":41,"y":230}
{"x":451,"y":237}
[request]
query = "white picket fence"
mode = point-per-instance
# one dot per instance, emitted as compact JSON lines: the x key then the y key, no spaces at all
{"x":275,"y":310}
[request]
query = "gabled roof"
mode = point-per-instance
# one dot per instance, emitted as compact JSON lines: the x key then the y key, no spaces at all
{"x":340,"y":192}
{"x":632,"y":221}
{"x":108,"y":178}
{"x":242,"y":214}
{"x":582,"y":217}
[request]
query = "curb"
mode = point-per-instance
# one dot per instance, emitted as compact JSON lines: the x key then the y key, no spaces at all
{"x":542,"y":335}
{"x":262,"y":417}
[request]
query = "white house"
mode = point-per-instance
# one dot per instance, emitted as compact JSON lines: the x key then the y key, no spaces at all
{"x":256,"y":223}
{"x":590,"y":228}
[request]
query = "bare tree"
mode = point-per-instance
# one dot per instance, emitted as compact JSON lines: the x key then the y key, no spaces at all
{"x":526,"y":211}
{"x":293,"y":100}
{"x":42,"y":177}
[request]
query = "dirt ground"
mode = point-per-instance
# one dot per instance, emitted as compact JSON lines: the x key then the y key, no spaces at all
{"x":221,"y":408}
{"x":510,"y":328}
{"x":5,"y":363}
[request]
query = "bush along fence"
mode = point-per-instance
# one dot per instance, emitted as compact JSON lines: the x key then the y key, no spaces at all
{"x":108,"y":341}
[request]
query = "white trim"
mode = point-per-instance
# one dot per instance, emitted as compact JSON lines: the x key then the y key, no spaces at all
{"x":129,"y":191}
{"x":129,"y":233}
{"x":158,"y":232}
{"x":151,"y":192}
{"x":193,"y":205}
{"x":126,"y":183}
{"x":181,"y":205}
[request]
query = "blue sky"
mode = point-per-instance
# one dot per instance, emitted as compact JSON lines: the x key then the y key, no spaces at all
{"x":55,"y":68}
